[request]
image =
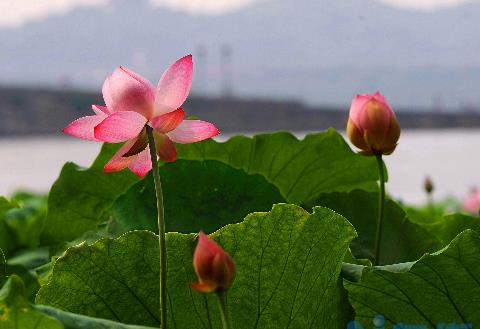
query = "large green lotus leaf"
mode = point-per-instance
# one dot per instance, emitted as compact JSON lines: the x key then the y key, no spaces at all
{"x":301,"y":169}
{"x":198,"y":195}
{"x":402,"y":240}
{"x":7,"y":240}
{"x":15,"y":310}
{"x":439,"y":289}
{"x":425,"y":214}
{"x":79,"y":197}
{"x":288,"y":262}
{"x":77,"y":321}
{"x":448,"y":227}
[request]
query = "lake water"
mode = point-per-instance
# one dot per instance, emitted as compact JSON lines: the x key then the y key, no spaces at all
{"x":450,"y":157}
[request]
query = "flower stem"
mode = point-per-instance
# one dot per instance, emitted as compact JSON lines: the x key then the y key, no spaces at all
{"x":161,"y":229}
{"x":208,"y":311}
{"x":381,"y":207}
{"x":3,"y":263}
{"x":431,"y":206}
{"x":222,"y":303}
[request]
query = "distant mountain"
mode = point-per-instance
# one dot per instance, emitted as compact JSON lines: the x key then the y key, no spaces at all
{"x":321,"y":51}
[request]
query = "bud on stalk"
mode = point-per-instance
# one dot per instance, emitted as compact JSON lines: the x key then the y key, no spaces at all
{"x":428,"y":185}
{"x":214,"y":267}
{"x":471,"y":203}
{"x":372,"y":125}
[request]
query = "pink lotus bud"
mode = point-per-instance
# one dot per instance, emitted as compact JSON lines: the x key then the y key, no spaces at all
{"x":372,"y":125}
{"x":471,"y":203}
{"x":214,"y":267}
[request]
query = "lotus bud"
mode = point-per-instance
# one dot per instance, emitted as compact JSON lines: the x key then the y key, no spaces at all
{"x":471,"y":203}
{"x":428,"y":185}
{"x":214,"y":267}
{"x":372,"y":125}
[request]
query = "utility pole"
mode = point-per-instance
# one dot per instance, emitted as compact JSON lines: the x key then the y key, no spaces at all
{"x":226,"y":53}
{"x":201,"y":71}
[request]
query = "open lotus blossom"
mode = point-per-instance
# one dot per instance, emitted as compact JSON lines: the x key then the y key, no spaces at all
{"x":372,"y":125}
{"x":132,"y":103}
{"x":214,"y":267}
{"x":471,"y":203}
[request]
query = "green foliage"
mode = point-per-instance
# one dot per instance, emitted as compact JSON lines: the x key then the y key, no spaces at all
{"x":79,"y":197}
{"x":439,"y":288}
{"x":3,"y":263}
{"x":20,"y":226}
{"x":23,"y":264}
{"x":449,"y":226}
{"x":16,"y":312}
{"x":430,"y":213}
{"x":30,"y":258}
{"x":288,"y":263}
{"x":27,"y":221}
{"x":77,"y":321}
{"x":402,"y":240}
{"x":7,"y":241}
{"x":198,"y":195}
{"x":28,"y":277}
{"x":300,"y":169}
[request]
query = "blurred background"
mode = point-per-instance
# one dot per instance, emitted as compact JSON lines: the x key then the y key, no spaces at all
{"x":260,"y":65}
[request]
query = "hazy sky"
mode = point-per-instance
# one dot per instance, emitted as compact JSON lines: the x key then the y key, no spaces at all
{"x":16,"y":12}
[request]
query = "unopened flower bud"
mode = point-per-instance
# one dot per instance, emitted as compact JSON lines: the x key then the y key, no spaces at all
{"x":428,"y":185}
{"x":471,"y":203}
{"x":372,"y":125}
{"x":214,"y":267}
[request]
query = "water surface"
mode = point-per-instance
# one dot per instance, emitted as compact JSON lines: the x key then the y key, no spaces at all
{"x":450,"y":157}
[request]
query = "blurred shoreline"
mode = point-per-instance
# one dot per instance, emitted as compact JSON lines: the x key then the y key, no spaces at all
{"x":33,"y":112}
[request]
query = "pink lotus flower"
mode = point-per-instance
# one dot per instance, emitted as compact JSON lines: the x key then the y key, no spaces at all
{"x":372,"y":125}
{"x":214,"y":267}
{"x":471,"y":203}
{"x":132,"y":102}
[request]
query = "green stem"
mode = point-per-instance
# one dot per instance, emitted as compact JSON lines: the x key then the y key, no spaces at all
{"x":431,"y":207}
{"x":222,"y":302}
{"x":161,"y":229}
{"x":381,"y":207}
{"x":208,"y":311}
{"x":3,"y":263}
